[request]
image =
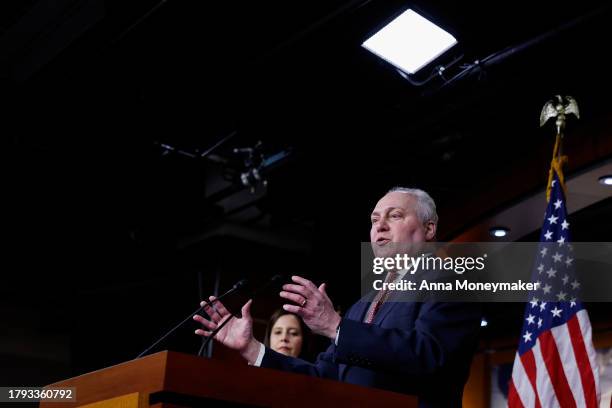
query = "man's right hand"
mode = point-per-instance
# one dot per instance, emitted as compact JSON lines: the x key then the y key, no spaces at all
{"x":237,"y":334}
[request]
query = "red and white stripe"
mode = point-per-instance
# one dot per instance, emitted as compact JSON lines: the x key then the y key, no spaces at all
{"x":560,"y":370}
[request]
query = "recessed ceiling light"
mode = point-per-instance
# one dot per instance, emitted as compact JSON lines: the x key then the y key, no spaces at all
{"x":499,"y":232}
{"x":606,"y":180}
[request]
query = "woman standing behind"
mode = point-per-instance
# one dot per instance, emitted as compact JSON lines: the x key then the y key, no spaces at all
{"x":286,"y":333}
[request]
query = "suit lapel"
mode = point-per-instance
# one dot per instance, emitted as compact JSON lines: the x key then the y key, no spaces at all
{"x":385,"y":308}
{"x":383,"y":311}
{"x":359,"y":310}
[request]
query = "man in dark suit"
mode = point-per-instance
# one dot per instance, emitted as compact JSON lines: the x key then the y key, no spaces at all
{"x":418,"y":348}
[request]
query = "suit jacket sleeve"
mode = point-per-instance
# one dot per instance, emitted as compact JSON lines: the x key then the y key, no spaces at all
{"x":323,"y":367}
{"x":441,"y":333}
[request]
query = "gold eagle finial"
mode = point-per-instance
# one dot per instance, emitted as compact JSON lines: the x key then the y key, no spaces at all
{"x":563,"y":106}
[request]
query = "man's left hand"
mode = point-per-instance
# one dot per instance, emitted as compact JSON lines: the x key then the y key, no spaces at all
{"x":314,"y":306}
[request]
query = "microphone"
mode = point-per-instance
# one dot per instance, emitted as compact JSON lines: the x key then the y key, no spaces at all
{"x":273,"y":280}
{"x":237,"y":286}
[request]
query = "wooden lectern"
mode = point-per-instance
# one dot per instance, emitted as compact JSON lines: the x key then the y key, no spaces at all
{"x":175,"y":380}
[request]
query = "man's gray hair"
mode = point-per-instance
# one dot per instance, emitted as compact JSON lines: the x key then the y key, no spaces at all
{"x":425,"y":205}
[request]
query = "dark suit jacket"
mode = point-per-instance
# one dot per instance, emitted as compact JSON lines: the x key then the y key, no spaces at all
{"x":418,"y":348}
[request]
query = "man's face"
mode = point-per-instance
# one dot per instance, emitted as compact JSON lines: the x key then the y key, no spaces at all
{"x":394,"y":220}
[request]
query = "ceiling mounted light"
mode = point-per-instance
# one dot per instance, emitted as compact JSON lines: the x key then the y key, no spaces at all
{"x":410,"y":42}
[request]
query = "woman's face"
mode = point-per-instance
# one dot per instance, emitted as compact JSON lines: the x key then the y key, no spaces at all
{"x":286,"y":336}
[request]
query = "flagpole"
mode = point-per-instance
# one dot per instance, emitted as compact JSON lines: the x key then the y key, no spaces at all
{"x":560,"y":108}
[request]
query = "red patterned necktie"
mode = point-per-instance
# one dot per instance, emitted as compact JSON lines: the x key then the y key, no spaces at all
{"x":380,"y":298}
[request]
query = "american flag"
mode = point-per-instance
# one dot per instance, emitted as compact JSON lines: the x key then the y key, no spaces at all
{"x":555,"y":365}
